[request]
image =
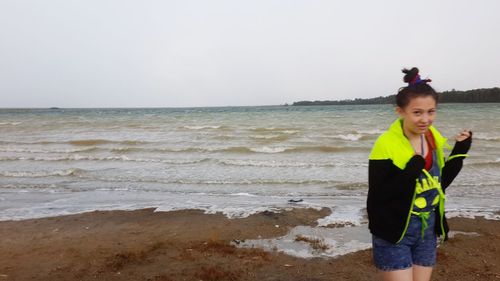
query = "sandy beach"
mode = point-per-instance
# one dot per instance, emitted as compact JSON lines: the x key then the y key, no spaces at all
{"x":191,"y":245}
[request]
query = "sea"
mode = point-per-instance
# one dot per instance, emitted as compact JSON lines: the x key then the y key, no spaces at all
{"x":234,"y":160}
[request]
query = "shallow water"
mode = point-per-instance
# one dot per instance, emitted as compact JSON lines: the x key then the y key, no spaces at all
{"x":235,"y":160}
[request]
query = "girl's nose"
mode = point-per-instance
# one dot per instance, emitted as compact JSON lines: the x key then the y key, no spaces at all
{"x":425,"y":118}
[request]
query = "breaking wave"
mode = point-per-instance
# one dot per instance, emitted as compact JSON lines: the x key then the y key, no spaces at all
{"x":41,"y":174}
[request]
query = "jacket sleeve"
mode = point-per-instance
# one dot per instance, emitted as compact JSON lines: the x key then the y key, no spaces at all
{"x":385,"y":173}
{"x":453,"y":166}
{"x":390,"y":194}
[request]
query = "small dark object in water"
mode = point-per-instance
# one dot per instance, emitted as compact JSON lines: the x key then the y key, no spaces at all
{"x":295,"y":200}
{"x":238,"y":241}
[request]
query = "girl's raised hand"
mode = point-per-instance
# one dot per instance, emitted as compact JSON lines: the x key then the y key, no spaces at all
{"x":463,"y":135}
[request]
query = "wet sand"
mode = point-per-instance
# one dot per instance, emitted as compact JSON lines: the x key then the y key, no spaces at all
{"x":190,"y":245}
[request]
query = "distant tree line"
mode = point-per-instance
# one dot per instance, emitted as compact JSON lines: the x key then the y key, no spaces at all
{"x":453,"y":96}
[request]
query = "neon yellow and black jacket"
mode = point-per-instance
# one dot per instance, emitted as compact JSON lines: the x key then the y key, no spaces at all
{"x":392,"y":179}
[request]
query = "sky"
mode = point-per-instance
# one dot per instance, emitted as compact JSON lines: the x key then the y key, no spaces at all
{"x":189,"y":53}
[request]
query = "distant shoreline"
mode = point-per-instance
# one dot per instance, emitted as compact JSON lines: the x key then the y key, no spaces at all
{"x":488,"y":95}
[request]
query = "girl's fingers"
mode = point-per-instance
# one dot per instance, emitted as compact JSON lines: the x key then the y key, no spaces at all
{"x":462,"y":135}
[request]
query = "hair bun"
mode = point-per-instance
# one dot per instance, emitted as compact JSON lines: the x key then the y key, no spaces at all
{"x":412,"y":77}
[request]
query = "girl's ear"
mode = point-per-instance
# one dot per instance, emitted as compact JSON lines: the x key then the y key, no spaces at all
{"x":399,"y":111}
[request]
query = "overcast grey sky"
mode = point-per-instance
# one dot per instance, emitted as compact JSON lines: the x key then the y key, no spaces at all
{"x":121,"y":53}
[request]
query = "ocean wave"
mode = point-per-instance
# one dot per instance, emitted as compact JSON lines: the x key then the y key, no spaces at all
{"x":234,"y":149}
{"x":471,"y":213}
{"x":89,"y":142}
{"x":23,"y":187}
{"x":105,"y":158}
{"x":256,"y":182}
{"x":275,"y":130}
{"x":222,"y":182}
{"x":41,"y":174}
{"x":483,"y":184}
{"x":95,"y":142}
{"x":123,"y":150}
{"x":243,"y":194}
{"x":84,"y":142}
{"x":203,"y":127}
{"x":27,"y":143}
{"x":299,"y":149}
{"x":274,"y":163}
{"x":324,"y":148}
{"x":486,"y":164}
{"x":371,"y":132}
{"x":486,"y":137}
{"x":268,"y":138}
{"x":348,"y":137}
{"x":10,"y":123}
{"x":352,"y":186}
{"x":225,"y":137}
{"x":46,"y":151}
{"x":160,"y":149}
{"x":291,"y":132}
{"x":352,"y":136}
{"x":127,"y":149}
{"x":266,"y":149}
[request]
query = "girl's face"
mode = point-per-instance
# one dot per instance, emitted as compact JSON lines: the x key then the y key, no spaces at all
{"x":418,"y":115}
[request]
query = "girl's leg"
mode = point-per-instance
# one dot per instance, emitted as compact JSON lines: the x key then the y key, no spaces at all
{"x":398,"y":275}
{"x":422,"y":273}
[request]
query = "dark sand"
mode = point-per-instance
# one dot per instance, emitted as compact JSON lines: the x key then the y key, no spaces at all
{"x":190,"y":245}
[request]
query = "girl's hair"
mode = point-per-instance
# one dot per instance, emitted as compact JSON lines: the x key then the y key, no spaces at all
{"x":416,"y":88}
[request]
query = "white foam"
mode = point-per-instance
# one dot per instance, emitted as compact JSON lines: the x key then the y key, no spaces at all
{"x":21,"y":150}
{"x":266,"y":149}
{"x":237,"y":212}
{"x":18,"y":174}
{"x":371,"y":132}
{"x":348,"y":215}
{"x":78,"y":157}
{"x":265,"y":137}
{"x":471,"y":214}
{"x":201,"y":127}
{"x":243,"y":194}
{"x":454,"y":233}
{"x":486,"y":136}
{"x":273,"y":163}
{"x":349,"y":137}
{"x":10,"y":123}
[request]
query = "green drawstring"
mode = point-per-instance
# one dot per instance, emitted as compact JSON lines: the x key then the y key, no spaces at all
{"x":424,"y":216}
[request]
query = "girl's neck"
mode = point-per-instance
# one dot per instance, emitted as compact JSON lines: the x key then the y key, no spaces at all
{"x":410,"y":135}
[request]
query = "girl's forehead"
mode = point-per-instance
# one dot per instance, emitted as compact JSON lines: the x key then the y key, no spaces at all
{"x":422,"y":102}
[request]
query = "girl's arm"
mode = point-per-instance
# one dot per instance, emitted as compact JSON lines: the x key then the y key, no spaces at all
{"x":454,"y":164}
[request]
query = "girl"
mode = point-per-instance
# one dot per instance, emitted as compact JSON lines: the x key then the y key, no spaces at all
{"x":407,"y":178}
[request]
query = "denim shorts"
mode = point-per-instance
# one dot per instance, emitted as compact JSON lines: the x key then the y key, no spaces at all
{"x":411,"y":250}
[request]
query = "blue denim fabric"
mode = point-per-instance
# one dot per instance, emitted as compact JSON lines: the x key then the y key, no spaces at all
{"x":412,"y":249}
{"x":429,"y":195}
